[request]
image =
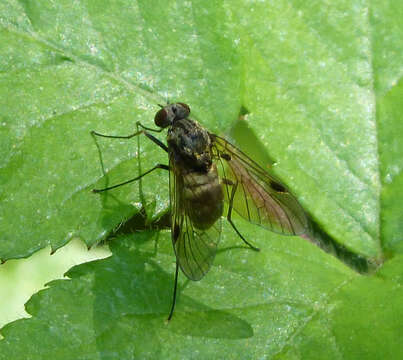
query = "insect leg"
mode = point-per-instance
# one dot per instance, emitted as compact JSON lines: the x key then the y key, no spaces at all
{"x":138,"y":132}
{"x":158,"y":166}
{"x":139,"y":124}
{"x":156,"y":141}
{"x":175,"y":288}
{"x":230,"y":220}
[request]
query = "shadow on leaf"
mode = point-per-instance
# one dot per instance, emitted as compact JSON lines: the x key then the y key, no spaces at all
{"x":132,"y":293}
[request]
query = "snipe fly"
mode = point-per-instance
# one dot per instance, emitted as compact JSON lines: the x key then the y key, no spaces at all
{"x":205,"y":171}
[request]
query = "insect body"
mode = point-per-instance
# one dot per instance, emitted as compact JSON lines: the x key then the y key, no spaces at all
{"x":205,"y":172}
{"x":192,"y":164}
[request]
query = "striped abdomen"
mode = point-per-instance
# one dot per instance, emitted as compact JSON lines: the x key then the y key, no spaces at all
{"x":203,"y":197}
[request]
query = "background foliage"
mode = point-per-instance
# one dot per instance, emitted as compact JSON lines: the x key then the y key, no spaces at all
{"x":322,"y":84}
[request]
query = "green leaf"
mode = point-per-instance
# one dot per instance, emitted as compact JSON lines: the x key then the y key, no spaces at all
{"x":288,"y":300}
{"x":322,"y":86}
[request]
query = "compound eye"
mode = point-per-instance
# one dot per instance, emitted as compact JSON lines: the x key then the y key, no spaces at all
{"x":161,"y":118}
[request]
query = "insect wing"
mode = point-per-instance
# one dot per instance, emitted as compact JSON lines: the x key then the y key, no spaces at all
{"x":195,"y":249}
{"x":254,"y":194}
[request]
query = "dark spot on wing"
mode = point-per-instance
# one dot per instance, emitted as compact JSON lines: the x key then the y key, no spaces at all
{"x":277,"y":186}
{"x":227,"y":181}
{"x":225,"y":156}
{"x":176,"y":232}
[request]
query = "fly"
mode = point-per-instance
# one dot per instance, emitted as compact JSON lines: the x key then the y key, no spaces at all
{"x":206,"y":171}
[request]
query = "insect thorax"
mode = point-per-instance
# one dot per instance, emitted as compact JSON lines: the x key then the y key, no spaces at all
{"x":190,"y":145}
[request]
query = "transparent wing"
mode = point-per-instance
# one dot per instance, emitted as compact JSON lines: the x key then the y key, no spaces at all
{"x":257,"y":196}
{"x":195,"y":249}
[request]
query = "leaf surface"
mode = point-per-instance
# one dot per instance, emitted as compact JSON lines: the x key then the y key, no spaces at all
{"x":321,"y":83}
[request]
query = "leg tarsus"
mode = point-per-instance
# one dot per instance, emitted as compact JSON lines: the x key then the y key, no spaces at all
{"x":240,"y":235}
{"x":174,"y":295}
{"x":158,"y":166}
{"x":230,"y":220}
